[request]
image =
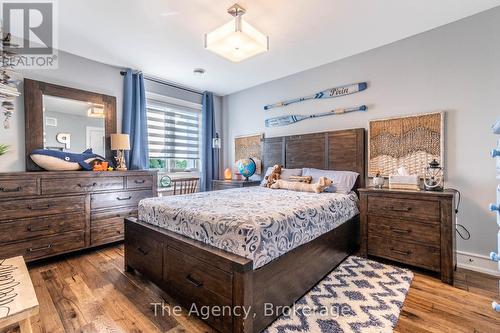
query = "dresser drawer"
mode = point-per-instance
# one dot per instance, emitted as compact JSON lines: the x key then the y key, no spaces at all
{"x":81,"y":185}
{"x":405,"y":230}
{"x":145,"y":254}
{"x":404,"y":208}
{"x":107,"y":227}
{"x":24,"y":208}
{"x":196,"y":281}
{"x":409,"y":253}
{"x":145,"y":181}
{"x":16,"y":230}
{"x":107,"y":231}
{"x":43,"y":247}
{"x":117,"y":199}
{"x":18,"y":187}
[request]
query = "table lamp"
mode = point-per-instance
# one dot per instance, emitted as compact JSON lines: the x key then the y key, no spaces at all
{"x":120,"y":143}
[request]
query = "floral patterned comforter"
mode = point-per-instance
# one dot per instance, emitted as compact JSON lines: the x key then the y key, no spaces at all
{"x":257,"y":223}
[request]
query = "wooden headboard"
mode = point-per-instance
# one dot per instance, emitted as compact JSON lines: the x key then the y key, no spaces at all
{"x":335,"y":150}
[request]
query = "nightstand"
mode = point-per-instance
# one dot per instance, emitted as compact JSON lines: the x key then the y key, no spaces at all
{"x":416,"y":228}
{"x":233,"y":183}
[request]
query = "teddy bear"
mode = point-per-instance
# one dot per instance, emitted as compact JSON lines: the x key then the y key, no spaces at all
{"x":322,"y":184}
{"x":274,"y":175}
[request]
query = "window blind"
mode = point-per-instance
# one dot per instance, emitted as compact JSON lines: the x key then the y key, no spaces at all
{"x":173,"y":131}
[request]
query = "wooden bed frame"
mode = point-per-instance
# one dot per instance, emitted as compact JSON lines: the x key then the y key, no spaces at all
{"x":202,"y":277}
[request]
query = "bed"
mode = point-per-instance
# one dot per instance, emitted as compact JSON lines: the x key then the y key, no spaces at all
{"x":214,"y":250}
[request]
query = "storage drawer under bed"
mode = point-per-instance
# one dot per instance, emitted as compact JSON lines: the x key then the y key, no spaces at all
{"x":191,"y":280}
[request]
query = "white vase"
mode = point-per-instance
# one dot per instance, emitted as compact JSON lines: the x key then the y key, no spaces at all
{"x":378,"y":182}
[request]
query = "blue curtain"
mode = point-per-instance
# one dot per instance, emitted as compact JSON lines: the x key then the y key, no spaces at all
{"x":208,"y":154}
{"x":135,"y":121}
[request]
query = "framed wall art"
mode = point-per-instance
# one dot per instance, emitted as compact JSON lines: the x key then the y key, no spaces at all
{"x":411,"y":142}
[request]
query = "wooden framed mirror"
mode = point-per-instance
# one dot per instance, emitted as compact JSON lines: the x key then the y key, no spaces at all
{"x":67,"y":119}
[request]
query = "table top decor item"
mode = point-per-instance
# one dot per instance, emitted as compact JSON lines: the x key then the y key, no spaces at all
{"x":246,"y":167}
{"x":403,"y":180}
{"x":120,"y":143}
{"x":434,"y":177}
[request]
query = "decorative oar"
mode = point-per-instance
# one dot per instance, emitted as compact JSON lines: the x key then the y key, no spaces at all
{"x":329,"y":93}
{"x":287,"y":120}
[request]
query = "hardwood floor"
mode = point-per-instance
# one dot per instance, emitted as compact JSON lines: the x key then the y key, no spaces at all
{"x":90,"y":292}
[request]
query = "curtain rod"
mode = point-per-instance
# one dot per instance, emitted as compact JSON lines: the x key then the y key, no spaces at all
{"x":123,"y":73}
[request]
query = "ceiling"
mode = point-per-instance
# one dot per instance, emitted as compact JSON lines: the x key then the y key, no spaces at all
{"x":164,"y":38}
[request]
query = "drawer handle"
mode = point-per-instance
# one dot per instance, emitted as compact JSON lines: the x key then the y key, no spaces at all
{"x":405,"y":253}
{"x":144,"y":252}
{"x":123,"y":199}
{"x":47,"y":206}
{"x":400,"y":231}
{"x":32,"y":229}
{"x":193,"y":281}
{"x":400,"y":209}
{"x":86,"y":186}
{"x":31,"y":249}
{"x":7,"y":190}
{"x":142,"y":181}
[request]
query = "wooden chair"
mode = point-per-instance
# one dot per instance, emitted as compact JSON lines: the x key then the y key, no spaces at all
{"x":185,"y":185}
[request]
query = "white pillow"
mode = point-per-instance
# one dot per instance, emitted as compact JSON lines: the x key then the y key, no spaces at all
{"x":285,"y":174}
{"x":343,"y":181}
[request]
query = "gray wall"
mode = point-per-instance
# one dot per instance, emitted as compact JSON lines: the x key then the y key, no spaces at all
{"x":455,"y":68}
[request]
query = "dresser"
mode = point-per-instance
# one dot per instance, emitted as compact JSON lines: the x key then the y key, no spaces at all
{"x":43,"y":214}
{"x":416,"y":228}
{"x":233,"y":183}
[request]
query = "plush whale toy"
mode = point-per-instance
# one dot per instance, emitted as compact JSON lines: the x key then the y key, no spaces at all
{"x":55,"y":160}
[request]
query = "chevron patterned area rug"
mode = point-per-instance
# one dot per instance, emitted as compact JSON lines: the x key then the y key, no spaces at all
{"x":359,"y":296}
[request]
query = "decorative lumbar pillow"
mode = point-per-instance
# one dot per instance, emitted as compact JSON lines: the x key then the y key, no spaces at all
{"x":301,"y":179}
{"x":343,"y":181}
{"x":318,"y":187}
{"x":274,"y":176}
{"x":55,"y":160}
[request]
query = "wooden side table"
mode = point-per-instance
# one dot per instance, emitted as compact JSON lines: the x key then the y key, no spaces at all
{"x":17,"y":295}
{"x":411,"y":227}
{"x":233,"y":183}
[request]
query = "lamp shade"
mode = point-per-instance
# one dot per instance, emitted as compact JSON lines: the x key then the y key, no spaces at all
{"x":120,"y":142}
{"x":236,"y":40}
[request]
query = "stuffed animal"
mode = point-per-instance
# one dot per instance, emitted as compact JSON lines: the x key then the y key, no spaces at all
{"x":274,"y":176}
{"x":54,"y":160}
{"x":319,"y":187}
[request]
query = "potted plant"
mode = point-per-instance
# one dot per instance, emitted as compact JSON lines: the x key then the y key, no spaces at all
{"x":3,"y":149}
{"x":378,"y":180}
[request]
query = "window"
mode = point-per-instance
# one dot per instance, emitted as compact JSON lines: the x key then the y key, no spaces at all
{"x":173,"y":134}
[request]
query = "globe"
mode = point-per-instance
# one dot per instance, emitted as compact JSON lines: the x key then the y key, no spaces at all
{"x":246,"y":167}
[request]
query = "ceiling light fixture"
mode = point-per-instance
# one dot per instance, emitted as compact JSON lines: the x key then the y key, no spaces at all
{"x":236,"y":40}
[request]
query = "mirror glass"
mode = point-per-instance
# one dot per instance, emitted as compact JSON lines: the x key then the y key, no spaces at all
{"x":71,"y":125}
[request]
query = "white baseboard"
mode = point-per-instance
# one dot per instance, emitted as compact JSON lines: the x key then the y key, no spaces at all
{"x":478,"y":263}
